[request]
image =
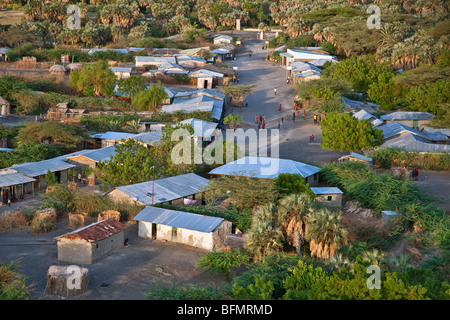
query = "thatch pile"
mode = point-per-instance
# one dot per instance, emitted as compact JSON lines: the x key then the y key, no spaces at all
{"x":57,"y":68}
{"x":67,"y":281}
{"x":233,"y":241}
{"x":76,"y":221}
{"x":109,"y":214}
{"x":44,"y":220}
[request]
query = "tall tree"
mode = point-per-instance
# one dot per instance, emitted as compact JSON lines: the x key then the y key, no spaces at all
{"x":343,"y":132}
{"x":292,"y":216}
{"x":325,"y":233}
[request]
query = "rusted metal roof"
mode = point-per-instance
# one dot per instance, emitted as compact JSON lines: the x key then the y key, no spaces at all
{"x":96,"y":231}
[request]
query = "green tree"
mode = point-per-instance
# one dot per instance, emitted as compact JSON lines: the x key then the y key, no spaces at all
{"x":288,"y":183}
{"x":292,"y":217}
{"x":233,"y":120}
{"x":96,"y":79}
{"x":265,"y":236}
{"x":325,"y":233}
{"x":385,"y":92}
{"x":67,"y":136}
{"x":132,"y":86}
{"x":343,"y":132}
{"x":50,"y":178}
{"x":222,"y":262}
{"x":149,"y":99}
{"x":361,"y":72}
{"x":130,"y":164}
{"x":173,"y":153}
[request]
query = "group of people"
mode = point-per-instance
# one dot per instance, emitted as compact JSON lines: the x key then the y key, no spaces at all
{"x":260,"y":121}
{"x":236,"y":77}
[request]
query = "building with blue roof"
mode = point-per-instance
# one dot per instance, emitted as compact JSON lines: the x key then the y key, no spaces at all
{"x":268,"y":168}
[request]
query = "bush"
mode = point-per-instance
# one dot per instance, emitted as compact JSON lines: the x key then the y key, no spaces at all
{"x":12,"y":283}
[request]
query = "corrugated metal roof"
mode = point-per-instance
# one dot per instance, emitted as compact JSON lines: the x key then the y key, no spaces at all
{"x":214,"y":106}
{"x":411,"y":142}
{"x":34,"y":169}
{"x":120,"y":69}
{"x":166,"y":189}
{"x":356,"y":155}
{"x":10,"y":178}
{"x":223,"y":36}
{"x":265,"y":167}
{"x":179,"y":219}
{"x":308,"y":73}
{"x":407,"y":115}
{"x":201,"y":128}
{"x":394,"y":128}
{"x":96,"y":231}
{"x":206,"y":72}
{"x":320,"y":62}
{"x":437,"y":134}
{"x":150,"y":137}
{"x":325,"y":190}
{"x":363,"y":115}
{"x":102,"y":154}
{"x":155,"y":59}
{"x":112,"y":135}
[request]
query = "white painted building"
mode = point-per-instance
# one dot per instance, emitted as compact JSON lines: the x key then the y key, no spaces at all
{"x":195,"y":230}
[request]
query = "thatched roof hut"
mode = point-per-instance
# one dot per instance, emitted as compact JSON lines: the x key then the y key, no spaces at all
{"x":57,"y":68}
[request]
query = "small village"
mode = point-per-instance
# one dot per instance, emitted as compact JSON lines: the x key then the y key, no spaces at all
{"x":231,"y":162}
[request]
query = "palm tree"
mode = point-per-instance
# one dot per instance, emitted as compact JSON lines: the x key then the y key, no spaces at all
{"x":292,"y":214}
{"x":400,"y":263}
{"x":325,"y":233}
{"x":375,"y":257}
{"x":265,"y":236}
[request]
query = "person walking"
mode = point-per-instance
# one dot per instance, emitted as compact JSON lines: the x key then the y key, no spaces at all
{"x":275,"y":91}
{"x":279,"y":108}
{"x":282,"y":120}
{"x":264,"y":125}
{"x":260,"y":118}
{"x":304,"y":114}
{"x":315,"y":119}
{"x":256,"y":118}
{"x":259,"y":125}
{"x":293,"y":116}
{"x":264,"y":118}
{"x":278,"y":125}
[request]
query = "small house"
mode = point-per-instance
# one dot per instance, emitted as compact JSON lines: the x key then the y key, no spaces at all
{"x":268,"y":168}
{"x":170,"y":190}
{"x":356,"y":157}
{"x":191,"y":229}
{"x":327,"y":196}
{"x":4,"y":54}
{"x":110,"y":138}
{"x":121,"y":72}
{"x":14,"y":185}
{"x":223,"y":38}
{"x":206,"y":79}
{"x":5,"y":107}
{"x":416,"y":120}
{"x":142,"y":61}
{"x":91,"y":243}
{"x":38,"y":170}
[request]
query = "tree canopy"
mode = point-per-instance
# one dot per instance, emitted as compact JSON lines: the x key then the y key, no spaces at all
{"x":343,"y":132}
